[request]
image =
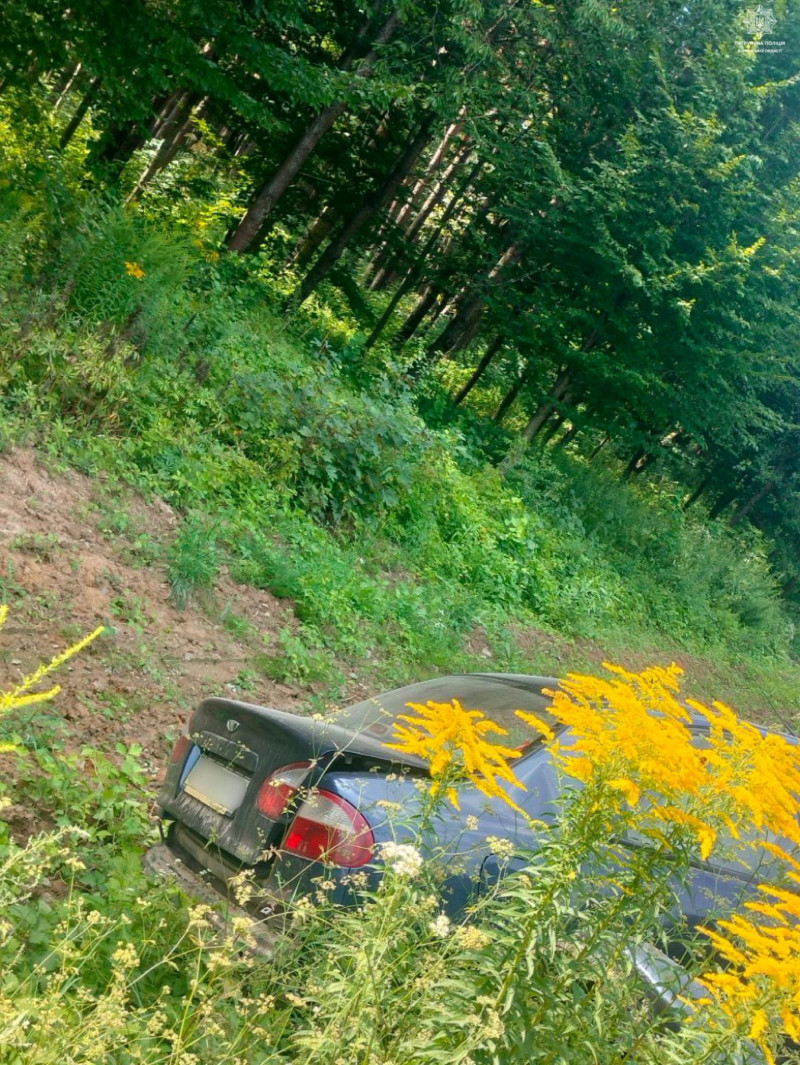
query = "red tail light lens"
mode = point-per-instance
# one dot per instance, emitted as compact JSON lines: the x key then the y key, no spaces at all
{"x":329,"y":829}
{"x":181,"y":749}
{"x":280,"y":787}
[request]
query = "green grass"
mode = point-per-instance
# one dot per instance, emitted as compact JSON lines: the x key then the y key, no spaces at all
{"x":316,"y":473}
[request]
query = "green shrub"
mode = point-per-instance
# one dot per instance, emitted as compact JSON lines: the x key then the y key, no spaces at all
{"x":192,"y":559}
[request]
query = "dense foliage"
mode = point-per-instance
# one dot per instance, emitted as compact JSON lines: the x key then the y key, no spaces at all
{"x":586,"y":211}
{"x":101,"y":964}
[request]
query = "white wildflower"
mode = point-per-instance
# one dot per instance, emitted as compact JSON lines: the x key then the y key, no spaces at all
{"x":468,"y":937}
{"x":199,"y":915}
{"x":440,"y":926}
{"x":501,"y":848}
{"x":402,"y":859}
{"x":303,"y":908}
{"x":125,"y":956}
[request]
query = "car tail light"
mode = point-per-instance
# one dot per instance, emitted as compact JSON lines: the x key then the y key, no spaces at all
{"x":280,"y":787}
{"x":181,"y":749}
{"x":327,"y":828}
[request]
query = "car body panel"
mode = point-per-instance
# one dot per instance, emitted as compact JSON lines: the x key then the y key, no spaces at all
{"x":349,"y":756}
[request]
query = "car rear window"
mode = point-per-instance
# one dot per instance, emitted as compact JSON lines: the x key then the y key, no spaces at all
{"x":496,"y":697}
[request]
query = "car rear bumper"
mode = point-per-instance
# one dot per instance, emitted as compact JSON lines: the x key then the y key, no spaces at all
{"x":266,"y":932}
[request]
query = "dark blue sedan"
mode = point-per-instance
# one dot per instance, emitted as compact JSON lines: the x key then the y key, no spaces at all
{"x":278,"y":801}
{"x":274,"y":795}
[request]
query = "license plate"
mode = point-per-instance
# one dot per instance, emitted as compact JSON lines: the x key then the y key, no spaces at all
{"x":216,"y":786}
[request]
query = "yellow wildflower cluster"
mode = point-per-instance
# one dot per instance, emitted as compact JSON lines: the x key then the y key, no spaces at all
{"x":761,"y":982}
{"x":630,"y":735}
{"x":453,"y":741}
{"x":21,"y":695}
{"x":630,"y":730}
{"x":134,"y":270}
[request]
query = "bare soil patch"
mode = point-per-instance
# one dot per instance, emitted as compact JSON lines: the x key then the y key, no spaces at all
{"x":73,"y":555}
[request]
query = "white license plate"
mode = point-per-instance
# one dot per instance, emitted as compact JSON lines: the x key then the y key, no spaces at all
{"x":216,"y":786}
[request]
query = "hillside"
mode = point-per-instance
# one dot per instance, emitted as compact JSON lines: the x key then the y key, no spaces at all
{"x":344,"y":345}
{"x":81,"y":552}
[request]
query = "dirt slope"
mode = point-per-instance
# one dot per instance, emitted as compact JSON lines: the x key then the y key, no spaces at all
{"x":73,"y":555}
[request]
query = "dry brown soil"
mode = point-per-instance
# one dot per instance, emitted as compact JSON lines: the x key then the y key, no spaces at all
{"x":65,"y":568}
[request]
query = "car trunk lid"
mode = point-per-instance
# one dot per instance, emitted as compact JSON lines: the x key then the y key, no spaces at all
{"x":237,"y":746}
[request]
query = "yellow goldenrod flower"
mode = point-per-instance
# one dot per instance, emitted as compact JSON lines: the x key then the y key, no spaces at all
{"x":453,"y":742}
{"x":629,"y":788}
{"x":134,"y":270}
{"x":21,"y":695}
{"x":538,"y":723}
{"x":759,"y":1025}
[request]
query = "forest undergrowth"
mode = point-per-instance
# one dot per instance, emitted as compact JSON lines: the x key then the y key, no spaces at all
{"x":331,"y":476}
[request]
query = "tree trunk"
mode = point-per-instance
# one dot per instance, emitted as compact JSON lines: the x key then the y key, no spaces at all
{"x":544,"y":410}
{"x":369,"y":208}
{"x":463,"y":326}
{"x":438,"y":193}
{"x":434,"y":163}
{"x":444,"y":305}
{"x":722,"y":503}
{"x":165,"y":112}
{"x":509,"y":398}
{"x":698,"y":492}
{"x":596,"y":451}
{"x":539,"y":420}
{"x":415,"y":270}
{"x":569,"y":435}
{"x":744,"y":508}
{"x":479,"y":371}
{"x":116,"y":146}
{"x":316,"y":233}
{"x":66,"y":84}
{"x":560,"y":416}
{"x":417,"y":316}
{"x":245,"y":234}
{"x":83,"y":106}
{"x":639,"y":455}
{"x":558,"y":392}
{"x":175,"y":135}
{"x":556,"y":421}
{"x":386,"y":262}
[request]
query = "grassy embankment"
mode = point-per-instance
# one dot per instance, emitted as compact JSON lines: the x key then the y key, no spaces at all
{"x":313,"y":474}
